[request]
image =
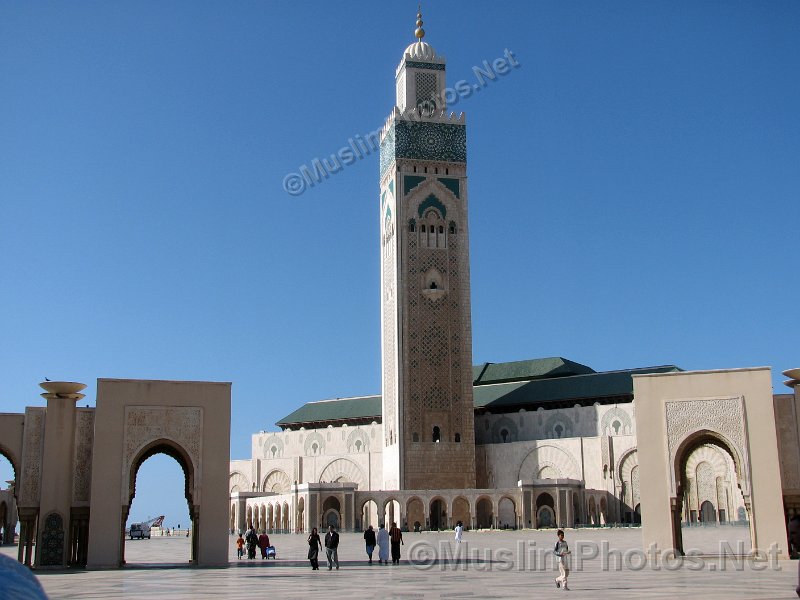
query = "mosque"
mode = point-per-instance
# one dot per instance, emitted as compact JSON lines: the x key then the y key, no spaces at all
{"x":529,"y":444}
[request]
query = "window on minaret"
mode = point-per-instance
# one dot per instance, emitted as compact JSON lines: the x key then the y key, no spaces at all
{"x":437,"y":434}
{"x":452,"y":227}
{"x":434,"y":234}
{"x":412,"y":225}
{"x":426,"y":92}
{"x":458,"y":438}
{"x":415,"y":437}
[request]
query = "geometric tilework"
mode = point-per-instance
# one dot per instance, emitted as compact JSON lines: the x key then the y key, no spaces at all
{"x":431,"y":141}
{"x":422,"y":140}
{"x":424,"y":65}
{"x":451,"y":184}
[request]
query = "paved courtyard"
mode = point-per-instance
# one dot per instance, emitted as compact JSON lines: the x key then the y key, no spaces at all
{"x":500,"y":565}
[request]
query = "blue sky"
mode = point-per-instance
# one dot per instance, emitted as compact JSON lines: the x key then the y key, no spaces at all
{"x":633,"y":192}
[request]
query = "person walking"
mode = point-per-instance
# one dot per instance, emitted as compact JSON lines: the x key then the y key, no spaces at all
{"x":459,"y":531}
{"x":396,"y":537}
{"x":263,"y":543}
{"x":562,"y":552}
{"x":240,"y":547}
{"x":369,"y":540}
{"x":332,"y":547}
{"x":251,"y":538}
{"x":383,"y":545}
{"x":314,"y":546}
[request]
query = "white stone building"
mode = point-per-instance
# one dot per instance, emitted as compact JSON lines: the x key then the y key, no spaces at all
{"x":535,"y":443}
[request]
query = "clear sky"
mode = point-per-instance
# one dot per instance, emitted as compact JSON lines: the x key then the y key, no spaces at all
{"x":634,"y":192}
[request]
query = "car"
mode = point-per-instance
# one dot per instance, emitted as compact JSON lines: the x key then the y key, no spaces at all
{"x":139,"y":531}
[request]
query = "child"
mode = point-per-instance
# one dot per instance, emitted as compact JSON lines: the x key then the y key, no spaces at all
{"x":562,"y":551}
{"x":240,"y":546}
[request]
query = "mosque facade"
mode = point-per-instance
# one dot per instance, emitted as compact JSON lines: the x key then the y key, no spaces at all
{"x":534,"y":443}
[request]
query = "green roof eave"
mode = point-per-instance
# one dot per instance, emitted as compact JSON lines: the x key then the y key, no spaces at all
{"x":494,"y":396}
{"x":339,"y":409}
{"x":561,"y":389}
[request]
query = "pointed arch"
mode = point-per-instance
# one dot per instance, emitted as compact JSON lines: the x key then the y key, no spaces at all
{"x":342,"y":469}
{"x":276,"y":481}
{"x":239,"y":482}
{"x":557,"y":458}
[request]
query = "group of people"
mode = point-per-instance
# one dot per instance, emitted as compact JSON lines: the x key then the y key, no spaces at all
{"x":251,"y":541}
{"x":382,"y":539}
{"x":385,"y":541}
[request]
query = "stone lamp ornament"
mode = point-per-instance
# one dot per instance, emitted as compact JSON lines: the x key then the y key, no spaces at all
{"x":794,"y":377}
{"x":63,"y":389}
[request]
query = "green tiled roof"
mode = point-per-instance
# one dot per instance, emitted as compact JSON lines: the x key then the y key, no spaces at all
{"x":525,"y":370}
{"x":500,"y":386}
{"x":560,"y":389}
{"x":340,"y":409}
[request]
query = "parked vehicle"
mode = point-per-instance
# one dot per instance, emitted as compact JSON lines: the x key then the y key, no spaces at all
{"x":139,"y":531}
{"x":142,"y":530}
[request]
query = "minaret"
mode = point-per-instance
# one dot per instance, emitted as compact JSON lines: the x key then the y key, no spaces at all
{"x":426,"y":329}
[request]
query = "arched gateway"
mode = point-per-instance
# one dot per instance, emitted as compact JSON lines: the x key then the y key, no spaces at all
{"x":77,"y":468}
{"x":728,"y":412}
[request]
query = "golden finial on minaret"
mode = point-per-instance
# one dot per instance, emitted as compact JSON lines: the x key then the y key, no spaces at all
{"x":419,"y":32}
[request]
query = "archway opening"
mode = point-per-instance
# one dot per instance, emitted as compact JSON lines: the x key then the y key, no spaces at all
{"x":461,"y":512}
{"x":8,"y":506}
{"x":545,"y":511}
{"x":483,"y":513}
{"x":415,"y":514}
{"x":592,"y":512}
{"x":438,"y":514}
{"x":160,"y":517}
{"x":301,"y":516}
{"x":709,"y":493}
{"x":331,"y":513}
{"x":391,"y":513}
{"x":369,"y":515}
{"x":507,"y":513}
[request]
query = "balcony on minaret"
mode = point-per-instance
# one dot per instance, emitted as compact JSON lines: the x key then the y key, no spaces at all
{"x":434,"y":285}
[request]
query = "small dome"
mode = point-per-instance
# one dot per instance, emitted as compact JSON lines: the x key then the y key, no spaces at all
{"x":421,"y":51}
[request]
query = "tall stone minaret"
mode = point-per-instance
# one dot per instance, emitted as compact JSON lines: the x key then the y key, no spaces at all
{"x":426,"y":330}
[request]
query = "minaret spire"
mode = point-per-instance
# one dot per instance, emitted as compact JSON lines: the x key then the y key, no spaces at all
{"x":419,"y":32}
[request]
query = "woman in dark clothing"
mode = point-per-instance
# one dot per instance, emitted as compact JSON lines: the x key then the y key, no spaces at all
{"x":314,"y":546}
{"x":369,"y":538}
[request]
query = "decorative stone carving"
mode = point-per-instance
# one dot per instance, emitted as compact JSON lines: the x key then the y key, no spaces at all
{"x":358,"y":441}
{"x":559,"y":459}
{"x":147,"y":424}
{"x":724,"y":416}
{"x":314,"y":444}
{"x":239,"y":482}
{"x":342,"y":469}
{"x":31,"y":471}
{"x":84,"y":440}
{"x":273,"y":447}
{"x":605,"y":451}
{"x":558,"y":425}
{"x":507,"y":425}
{"x":616,"y":421}
{"x":277,"y":481}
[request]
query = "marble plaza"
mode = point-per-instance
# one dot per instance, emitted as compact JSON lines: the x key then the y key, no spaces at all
{"x":487,"y":576}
